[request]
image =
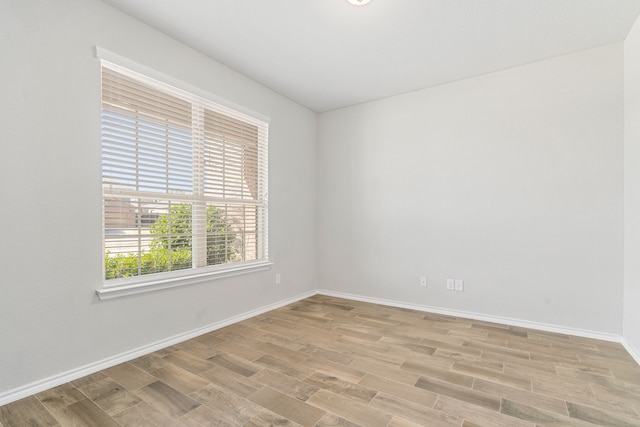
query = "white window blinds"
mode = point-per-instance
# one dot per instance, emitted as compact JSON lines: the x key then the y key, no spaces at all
{"x":184,"y":180}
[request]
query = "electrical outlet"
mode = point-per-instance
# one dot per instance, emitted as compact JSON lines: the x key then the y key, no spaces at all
{"x":459,"y":284}
{"x":423,"y":281}
{"x":278,"y":279}
{"x":451,"y":284}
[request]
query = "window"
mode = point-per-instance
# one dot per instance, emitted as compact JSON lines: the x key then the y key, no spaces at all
{"x":184,"y":183}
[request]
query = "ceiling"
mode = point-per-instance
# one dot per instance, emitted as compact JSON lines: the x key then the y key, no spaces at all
{"x":328,"y":54}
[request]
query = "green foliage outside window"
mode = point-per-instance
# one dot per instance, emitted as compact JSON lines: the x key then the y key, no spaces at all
{"x":171,"y":247}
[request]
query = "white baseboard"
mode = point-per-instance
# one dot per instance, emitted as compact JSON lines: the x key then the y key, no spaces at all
{"x":74,"y":374}
{"x":634,"y":352}
{"x":478,"y":316}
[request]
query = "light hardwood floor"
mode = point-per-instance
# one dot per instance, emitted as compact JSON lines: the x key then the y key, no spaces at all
{"x":326,"y":361}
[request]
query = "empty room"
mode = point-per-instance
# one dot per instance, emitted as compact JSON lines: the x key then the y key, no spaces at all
{"x":320,"y":213}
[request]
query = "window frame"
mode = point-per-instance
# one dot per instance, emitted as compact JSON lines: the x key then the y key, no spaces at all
{"x":112,"y":288}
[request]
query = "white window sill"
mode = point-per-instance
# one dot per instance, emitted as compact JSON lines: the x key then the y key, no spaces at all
{"x":143,"y":284}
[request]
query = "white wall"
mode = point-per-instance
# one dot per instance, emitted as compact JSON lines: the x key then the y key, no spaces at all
{"x":511,"y":181}
{"x":632,"y":190}
{"x":50,"y":247}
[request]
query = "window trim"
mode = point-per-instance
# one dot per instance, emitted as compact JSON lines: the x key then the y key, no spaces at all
{"x":151,"y":282}
{"x":115,"y":288}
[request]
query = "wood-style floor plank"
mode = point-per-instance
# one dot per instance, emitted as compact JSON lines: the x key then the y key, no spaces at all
{"x":26,"y":412}
{"x":537,"y":400}
{"x":357,"y":392}
{"x":404,"y":391}
{"x":144,"y":415}
{"x":404,"y":409}
{"x":285,"y":384}
{"x":537,"y":415}
{"x":599,"y":417}
{"x":326,"y":361}
{"x":289,"y":407}
{"x":84,"y":413}
{"x":228,"y":406}
{"x":59,"y":397}
{"x":464,"y":394}
{"x":110,"y":396}
{"x":356,"y":412}
{"x":268,"y":418}
{"x":167,"y":399}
